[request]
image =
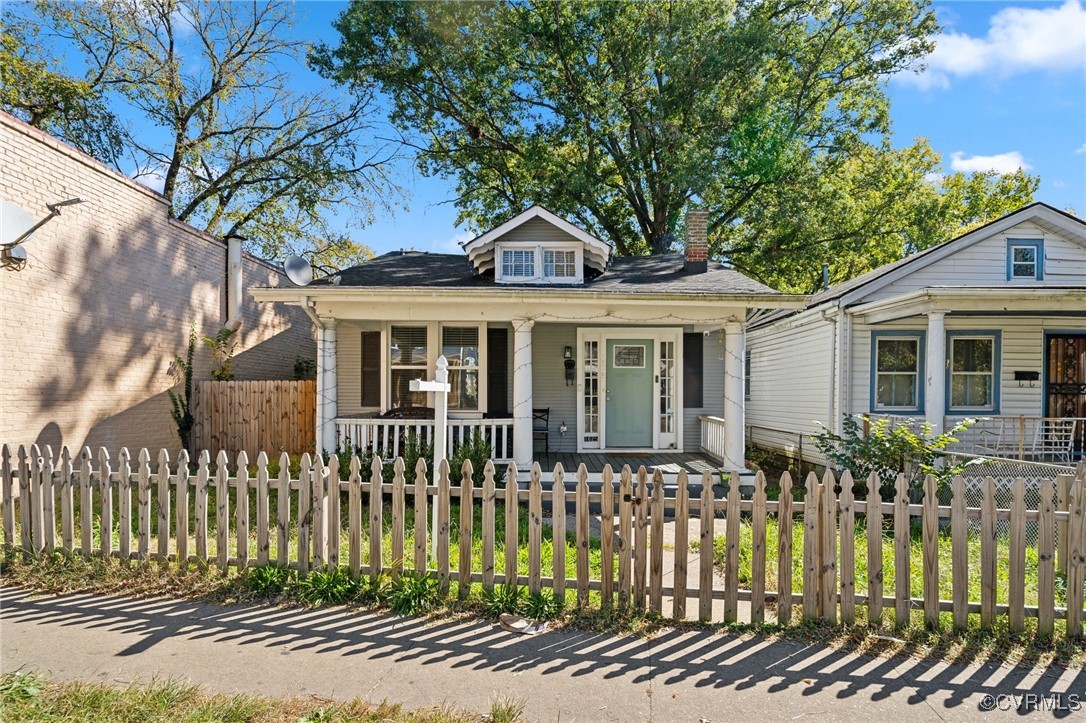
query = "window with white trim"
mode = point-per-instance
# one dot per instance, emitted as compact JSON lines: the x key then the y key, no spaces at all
{"x":518,"y":263}
{"x":559,"y":264}
{"x":408,"y":355}
{"x":897,"y":373}
{"x":1025,"y":260}
{"x":460,"y":345}
{"x":972,"y":372}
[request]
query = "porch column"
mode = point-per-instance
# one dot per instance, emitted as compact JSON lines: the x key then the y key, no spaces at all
{"x":935,"y":371}
{"x":735,"y":343}
{"x":326,"y":387}
{"x":522,"y":392}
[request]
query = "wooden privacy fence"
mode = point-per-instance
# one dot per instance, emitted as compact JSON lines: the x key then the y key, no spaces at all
{"x":250,"y":416}
{"x":136,"y":510}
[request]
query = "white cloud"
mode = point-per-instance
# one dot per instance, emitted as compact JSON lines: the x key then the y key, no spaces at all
{"x":1059,"y":184}
{"x":1000,"y":163}
{"x":1080,"y":150}
{"x":451,"y":245}
{"x":1019,"y":40}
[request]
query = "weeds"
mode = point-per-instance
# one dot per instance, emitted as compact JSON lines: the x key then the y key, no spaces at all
{"x":413,"y":594}
{"x":506,"y":710}
{"x":327,"y":587}
{"x":502,"y":599}
{"x":543,"y":605}
{"x":269,"y":580}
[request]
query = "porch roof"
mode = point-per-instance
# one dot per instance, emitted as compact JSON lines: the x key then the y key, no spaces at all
{"x":634,"y":275}
{"x":976,"y":300}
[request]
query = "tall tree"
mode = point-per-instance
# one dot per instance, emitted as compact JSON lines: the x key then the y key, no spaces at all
{"x":238,"y":146}
{"x":621,"y":114}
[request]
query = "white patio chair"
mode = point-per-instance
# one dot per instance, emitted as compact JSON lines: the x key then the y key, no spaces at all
{"x":1054,"y":439}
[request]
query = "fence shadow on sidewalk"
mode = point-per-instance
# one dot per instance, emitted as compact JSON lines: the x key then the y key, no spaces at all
{"x":701,"y":658}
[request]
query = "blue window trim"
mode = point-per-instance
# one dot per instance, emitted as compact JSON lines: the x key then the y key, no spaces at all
{"x":921,"y":352}
{"x":1036,"y":243}
{"x":997,"y":369}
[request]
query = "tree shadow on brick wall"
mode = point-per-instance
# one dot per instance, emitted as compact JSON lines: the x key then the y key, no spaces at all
{"x":129,"y":318}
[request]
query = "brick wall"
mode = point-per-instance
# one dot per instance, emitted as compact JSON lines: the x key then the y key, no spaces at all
{"x":89,"y":328}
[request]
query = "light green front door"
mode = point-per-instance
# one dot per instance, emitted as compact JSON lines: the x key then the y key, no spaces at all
{"x":629,"y":393}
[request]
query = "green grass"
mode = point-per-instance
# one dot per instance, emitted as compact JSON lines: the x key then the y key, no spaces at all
{"x":29,"y":697}
{"x":916,"y":582}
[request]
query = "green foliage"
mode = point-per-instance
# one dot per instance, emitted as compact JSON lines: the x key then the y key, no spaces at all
{"x":222,"y":347}
{"x":478,"y":450}
{"x":181,"y":403}
{"x":543,"y":605}
{"x":20,"y":687}
{"x":327,"y":587}
{"x":507,"y":710}
{"x":269,"y":580}
{"x":413,"y":593}
{"x":411,"y":451}
{"x":239,"y":147}
{"x":892,"y":447}
{"x":72,"y":109}
{"x":502,"y":599}
{"x":305,"y":369}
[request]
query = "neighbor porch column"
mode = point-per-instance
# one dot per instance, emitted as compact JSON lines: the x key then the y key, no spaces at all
{"x":935,"y":371}
{"x":735,"y":342}
{"x":326,"y":387}
{"x":522,"y":392}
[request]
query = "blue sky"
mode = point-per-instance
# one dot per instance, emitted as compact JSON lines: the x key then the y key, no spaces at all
{"x":1004,"y":88}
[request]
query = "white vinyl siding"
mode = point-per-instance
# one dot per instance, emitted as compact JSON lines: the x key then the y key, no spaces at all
{"x":790,"y":368}
{"x":985,"y":264}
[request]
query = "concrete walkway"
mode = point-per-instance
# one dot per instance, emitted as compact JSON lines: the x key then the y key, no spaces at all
{"x":561,"y":676}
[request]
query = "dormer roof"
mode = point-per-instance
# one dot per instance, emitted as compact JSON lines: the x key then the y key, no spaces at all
{"x":481,"y":249}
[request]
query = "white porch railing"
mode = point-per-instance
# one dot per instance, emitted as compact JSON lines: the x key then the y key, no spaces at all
{"x":388,"y":436}
{"x":1040,"y":439}
{"x":712,"y":436}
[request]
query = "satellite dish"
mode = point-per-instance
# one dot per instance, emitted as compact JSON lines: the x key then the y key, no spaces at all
{"x":298,"y":270}
{"x":14,"y":221}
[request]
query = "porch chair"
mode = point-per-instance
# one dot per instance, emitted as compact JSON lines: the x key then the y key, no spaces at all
{"x":1055,"y":439}
{"x":541,"y":427}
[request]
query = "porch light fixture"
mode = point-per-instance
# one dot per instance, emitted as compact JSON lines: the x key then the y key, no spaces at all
{"x":568,"y":354}
{"x":562,"y":428}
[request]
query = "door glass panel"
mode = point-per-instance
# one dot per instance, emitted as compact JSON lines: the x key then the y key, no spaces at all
{"x":591,"y":366}
{"x":667,"y":387}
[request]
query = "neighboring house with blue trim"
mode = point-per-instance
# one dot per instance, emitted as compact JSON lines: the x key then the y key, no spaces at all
{"x":990,"y":324}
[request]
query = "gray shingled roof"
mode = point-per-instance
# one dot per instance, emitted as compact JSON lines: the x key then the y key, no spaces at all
{"x":662,"y":274}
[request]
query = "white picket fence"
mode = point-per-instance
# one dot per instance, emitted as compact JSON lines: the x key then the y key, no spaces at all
{"x":134,"y":510}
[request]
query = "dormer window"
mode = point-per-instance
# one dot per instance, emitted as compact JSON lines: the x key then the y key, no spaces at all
{"x":524,"y":262}
{"x":1025,"y":260}
{"x":518,"y":263}
{"x":559,"y":264}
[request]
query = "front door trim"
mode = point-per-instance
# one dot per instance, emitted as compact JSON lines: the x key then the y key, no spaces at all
{"x":671,"y":442}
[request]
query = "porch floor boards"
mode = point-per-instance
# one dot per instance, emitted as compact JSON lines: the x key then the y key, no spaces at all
{"x":667,"y":462}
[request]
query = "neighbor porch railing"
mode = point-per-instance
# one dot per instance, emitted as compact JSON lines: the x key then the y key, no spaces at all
{"x":388,"y":436}
{"x":712,"y":436}
{"x":1038,"y":439}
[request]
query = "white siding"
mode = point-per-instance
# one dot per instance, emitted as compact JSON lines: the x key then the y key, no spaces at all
{"x":349,"y":370}
{"x":985,"y":264}
{"x":791,"y":365}
{"x":1022,"y":350}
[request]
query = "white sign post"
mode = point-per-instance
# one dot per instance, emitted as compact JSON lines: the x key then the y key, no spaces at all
{"x":441,"y":388}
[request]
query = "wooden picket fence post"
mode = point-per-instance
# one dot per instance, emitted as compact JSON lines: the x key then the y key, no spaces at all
{"x":157,"y":507}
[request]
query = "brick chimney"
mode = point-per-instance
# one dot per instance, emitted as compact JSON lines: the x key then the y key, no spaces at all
{"x":697,"y":241}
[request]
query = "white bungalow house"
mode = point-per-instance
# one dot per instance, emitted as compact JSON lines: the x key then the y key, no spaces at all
{"x":557,"y":349}
{"x":990,"y":324}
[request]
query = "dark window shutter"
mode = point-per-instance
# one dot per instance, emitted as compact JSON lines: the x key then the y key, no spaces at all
{"x":497,"y":370}
{"x":693,"y":367}
{"x":371,"y":369}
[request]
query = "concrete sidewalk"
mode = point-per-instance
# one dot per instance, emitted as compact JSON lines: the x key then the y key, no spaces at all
{"x":561,"y":676}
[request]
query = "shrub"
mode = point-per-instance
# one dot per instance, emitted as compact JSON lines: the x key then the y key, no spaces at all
{"x":478,"y":450}
{"x":544,"y":605}
{"x":222,"y":347}
{"x":892,"y":447}
{"x":413,"y":593}
{"x":180,"y":404}
{"x":502,"y":599}
{"x":327,"y":587}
